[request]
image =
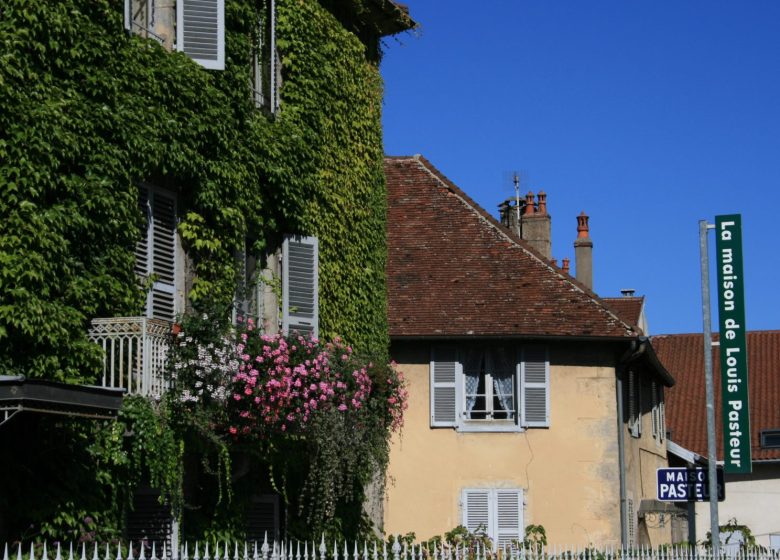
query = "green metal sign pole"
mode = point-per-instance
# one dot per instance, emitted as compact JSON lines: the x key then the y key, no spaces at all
{"x":733,"y":348}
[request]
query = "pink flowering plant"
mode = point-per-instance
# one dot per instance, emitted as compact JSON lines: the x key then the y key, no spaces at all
{"x":316,"y":412}
{"x":282,"y":383}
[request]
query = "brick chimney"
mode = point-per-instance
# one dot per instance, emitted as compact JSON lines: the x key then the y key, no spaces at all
{"x":535,"y":224}
{"x":583,"y":252}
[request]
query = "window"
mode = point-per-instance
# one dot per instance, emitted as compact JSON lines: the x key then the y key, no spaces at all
{"x":659,"y":422}
{"x":300,"y":268}
{"x":158,"y":253}
{"x":139,"y":18}
{"x":495,"y":512}
{"x":490,"y":387}
{"x":634,"y":399}
{"x":770,"y":439}
{"x":200,"y":31}
{"x":266,"y":68}
{"x":199,"y":24}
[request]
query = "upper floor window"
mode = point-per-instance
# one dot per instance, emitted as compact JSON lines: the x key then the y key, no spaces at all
{"x":490,"y":387}
{"x":770,"y":439}
{"x":266,"y":67}
{"x":300,"y":285}
{"x":199,"y":26}
{"x":634,"y":398}
{"x":658,"y":413}
{"x":158,"y":253}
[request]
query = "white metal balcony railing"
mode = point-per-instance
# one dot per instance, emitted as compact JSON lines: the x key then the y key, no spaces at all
{"x":136,"y":351}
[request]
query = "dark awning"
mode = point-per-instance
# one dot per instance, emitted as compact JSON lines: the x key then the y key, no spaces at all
{"x":20,"y":394}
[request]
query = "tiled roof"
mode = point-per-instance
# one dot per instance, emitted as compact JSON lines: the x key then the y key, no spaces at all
{"x":683,"y":356}
{"x":628,"y":308}
{"x":453,"y":270}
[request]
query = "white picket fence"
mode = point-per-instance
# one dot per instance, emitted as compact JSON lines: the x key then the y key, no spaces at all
{"x":366,"y":551}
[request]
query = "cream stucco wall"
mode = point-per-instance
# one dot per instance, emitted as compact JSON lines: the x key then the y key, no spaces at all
{"x":753,"y":500}
{"x":569,"y":471}
{"x":644,"y":456}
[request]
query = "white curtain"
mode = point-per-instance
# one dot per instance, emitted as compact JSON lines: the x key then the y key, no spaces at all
{"x":503,"y":376}
{"x":472,"y":369}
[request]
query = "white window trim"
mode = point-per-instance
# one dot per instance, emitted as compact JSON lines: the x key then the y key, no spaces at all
{"x":493,"y":530}
{"x":463,"y":424}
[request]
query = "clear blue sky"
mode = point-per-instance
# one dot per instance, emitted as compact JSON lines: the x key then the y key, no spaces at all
{"x":648,"y":115}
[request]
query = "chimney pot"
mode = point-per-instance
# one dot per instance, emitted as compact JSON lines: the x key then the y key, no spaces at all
{"x":529,"y":203}
{"x":628,"y":292}
{"x":582,"y":225}
{"x":566,"y":262}
{"x":542,"y":198}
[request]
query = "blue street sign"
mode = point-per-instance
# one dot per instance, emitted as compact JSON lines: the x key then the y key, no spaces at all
{"x":683,"y":484}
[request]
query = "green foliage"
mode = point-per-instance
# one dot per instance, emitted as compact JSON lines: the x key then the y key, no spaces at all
{"x":88,"y":112}
{"x":535,"y":536}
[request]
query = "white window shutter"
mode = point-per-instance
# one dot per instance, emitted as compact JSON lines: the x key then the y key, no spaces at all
{"x":509,"y":517}
{"x":477,"y":505}
{"x":300,"y":270}
{"x":535,"y":387}
{"x":200,"y":31}
{"x":157,"y":251}
{"x":444,"y":393}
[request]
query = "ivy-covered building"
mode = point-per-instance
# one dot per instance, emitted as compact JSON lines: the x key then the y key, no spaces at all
{"x":166,"y":160}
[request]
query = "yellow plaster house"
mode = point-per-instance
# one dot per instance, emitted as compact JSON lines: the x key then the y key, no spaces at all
{"x":532,"y":400}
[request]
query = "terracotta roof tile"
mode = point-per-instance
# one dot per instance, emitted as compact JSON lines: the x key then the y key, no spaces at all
{"x":628,"y":308}
{"x":453,"y":270}
{"x":683,"y":356}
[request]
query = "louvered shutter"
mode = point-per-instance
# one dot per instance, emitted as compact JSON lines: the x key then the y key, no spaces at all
{"x":262,"y":518}
{"x":156,"y":252}
{"x":200,"y":31}
{"x":444,"y":394}
{"x":634,"y":405}
{"x":477,"y":505}
{"x":654,"y":398}
{"x":509,"y":517}
{"x":535,"y":387}
{"x":300,"y":269}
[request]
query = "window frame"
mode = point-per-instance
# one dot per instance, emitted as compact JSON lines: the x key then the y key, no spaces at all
{"x":441,"y":380}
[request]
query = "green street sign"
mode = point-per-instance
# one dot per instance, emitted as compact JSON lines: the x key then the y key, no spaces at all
{"x":733,"y":348}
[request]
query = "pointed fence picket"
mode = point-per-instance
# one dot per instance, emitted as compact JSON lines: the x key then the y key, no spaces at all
{"x":308,"y":550}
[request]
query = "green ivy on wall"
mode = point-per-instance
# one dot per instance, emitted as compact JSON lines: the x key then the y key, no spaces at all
{"x":89,"y":111}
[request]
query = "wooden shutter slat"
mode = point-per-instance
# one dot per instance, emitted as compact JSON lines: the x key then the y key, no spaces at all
{"x":300,"y":299}
{"x":201,"y":31}
{"x":477,"y":511}
{"x":535,"y":386}
{"x":509,"y":516}
{"x":444,"y":397}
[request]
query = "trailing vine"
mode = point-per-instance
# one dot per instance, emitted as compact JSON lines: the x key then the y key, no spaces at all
{"x":87,"y":112}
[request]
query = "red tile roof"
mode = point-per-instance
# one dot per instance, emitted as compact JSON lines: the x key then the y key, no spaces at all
{"x":683,"y":356}
{"x":453,"y":270}
{"x":629,"y":308}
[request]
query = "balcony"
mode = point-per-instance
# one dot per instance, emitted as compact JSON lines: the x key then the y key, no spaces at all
{"x":135,"y":353}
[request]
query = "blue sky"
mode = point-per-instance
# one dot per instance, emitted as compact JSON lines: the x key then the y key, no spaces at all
{"x":649,"y":116}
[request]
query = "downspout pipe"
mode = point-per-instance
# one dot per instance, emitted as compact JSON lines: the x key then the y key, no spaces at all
{"x":621,"y":461}
{"x":622,"y":365}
